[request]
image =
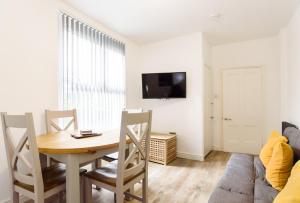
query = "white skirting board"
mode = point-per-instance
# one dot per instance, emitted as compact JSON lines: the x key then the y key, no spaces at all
{"x":190,"y":156}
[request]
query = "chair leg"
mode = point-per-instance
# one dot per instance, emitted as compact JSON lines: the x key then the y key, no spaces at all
{"x":120,"y":197}
{"x":96,"y":164}
{"x":61,"y":197}
{"x":48,"y":161}
{"x":145,"y":190}
{"x":97,"y":188}
{"x":15,"y":197}
{"x":131,"y":191}
{"x":39,"y":199}
{"x":88,"y":190}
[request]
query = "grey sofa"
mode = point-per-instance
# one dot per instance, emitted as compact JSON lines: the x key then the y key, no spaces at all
{"x":244,"y":177}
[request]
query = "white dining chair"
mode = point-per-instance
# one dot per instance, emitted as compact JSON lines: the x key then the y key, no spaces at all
{"x":118,"y":176}
{"x":52,"y":120}
{"x":137,"y":128}
{"x":29,"y":180}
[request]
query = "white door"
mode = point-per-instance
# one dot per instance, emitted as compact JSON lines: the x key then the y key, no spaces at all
{"x":208,"y":111}
{"x":242,"y":110}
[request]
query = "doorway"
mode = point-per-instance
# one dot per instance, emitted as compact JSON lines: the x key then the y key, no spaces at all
{"x":208,"y":111}
{"x":242,"y":116}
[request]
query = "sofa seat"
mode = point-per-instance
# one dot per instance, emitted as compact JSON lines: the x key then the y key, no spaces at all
{"x":243,"y":182}
{"x":244,"y":178}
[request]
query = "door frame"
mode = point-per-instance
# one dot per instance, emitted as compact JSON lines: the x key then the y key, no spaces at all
{"x":263,"y":98}
{"x":208,"y":68}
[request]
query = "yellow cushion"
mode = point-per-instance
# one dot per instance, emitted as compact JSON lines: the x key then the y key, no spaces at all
{"x":266,"y":152}
{"x":290,"y":193}
{"x":279,"y":167}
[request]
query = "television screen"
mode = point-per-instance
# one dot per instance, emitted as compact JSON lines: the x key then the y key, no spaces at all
{"x":164,"y":85}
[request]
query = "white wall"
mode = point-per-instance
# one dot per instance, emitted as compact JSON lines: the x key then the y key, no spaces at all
{"x":184,"y":116}
{"x":261,"y":52}
{"x":29,"y":46}
{"x":290,"y":61}
{"x":207,"y":52}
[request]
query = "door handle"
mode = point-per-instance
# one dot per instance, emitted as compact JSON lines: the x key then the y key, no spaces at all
{"x":227,"y":119}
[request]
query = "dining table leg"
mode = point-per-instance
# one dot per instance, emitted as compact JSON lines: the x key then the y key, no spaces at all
{"x":73,"y":179}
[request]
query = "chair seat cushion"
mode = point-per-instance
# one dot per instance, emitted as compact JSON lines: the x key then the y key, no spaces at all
{"x":53,"y":176}
{"x":114,"y":156}
{"x":260,"y":170}
{"x":108,"y":174}
{"x":111,"y":157}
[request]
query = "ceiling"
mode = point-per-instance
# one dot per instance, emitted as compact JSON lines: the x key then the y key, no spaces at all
{"x":145,"y":21}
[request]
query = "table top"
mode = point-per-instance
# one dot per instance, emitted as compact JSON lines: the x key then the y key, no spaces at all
{"x":63,"y":143}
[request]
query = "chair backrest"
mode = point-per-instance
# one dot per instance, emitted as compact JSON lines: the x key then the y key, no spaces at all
{"x":52,"y":120}
{"x":128,"y":166}
{"x":15,"y":152}
{"x":137,"y":128}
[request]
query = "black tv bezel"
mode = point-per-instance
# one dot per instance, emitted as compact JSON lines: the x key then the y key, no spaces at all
{"x":184,"y":97}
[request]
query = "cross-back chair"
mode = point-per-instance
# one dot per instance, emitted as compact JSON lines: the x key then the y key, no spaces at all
{"x":36,"y":183}
{"x":53,"y":124}
{"x":52,"y":118}
{"x":120,"y":175}
{"x":137,"y":128}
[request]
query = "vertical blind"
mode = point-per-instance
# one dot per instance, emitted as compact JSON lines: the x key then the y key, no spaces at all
{"x":92,"y":74}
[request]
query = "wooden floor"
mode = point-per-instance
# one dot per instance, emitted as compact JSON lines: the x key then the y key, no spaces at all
{"x":182,"y":181}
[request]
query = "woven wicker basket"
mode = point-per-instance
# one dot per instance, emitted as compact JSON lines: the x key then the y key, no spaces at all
{"x":162,"y":148}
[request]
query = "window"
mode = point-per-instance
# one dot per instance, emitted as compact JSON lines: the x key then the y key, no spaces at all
{"x":92,"y":74}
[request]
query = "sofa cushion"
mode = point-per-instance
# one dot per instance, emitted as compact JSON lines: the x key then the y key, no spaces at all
{"x":280,"y":165}
{"x":237,"y":183}
{"x":287,"y":125}
{"x":220,"y":195}
{"x":290,"y":193}
{"x":263,"y":192}
{"x":260,"y":170}
{"x":267,"y":150}
{"x":239,"y":174}
{"x":293,"y":136}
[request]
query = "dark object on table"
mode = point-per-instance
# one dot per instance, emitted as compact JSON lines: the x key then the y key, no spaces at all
{"x":85,"y":134}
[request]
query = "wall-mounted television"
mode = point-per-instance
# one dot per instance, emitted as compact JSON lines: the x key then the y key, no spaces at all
{"x":164,"y":85}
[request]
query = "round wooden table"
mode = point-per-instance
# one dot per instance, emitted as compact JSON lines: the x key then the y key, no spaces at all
{"x":62,"y":147}
{"x":63,"y":143}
